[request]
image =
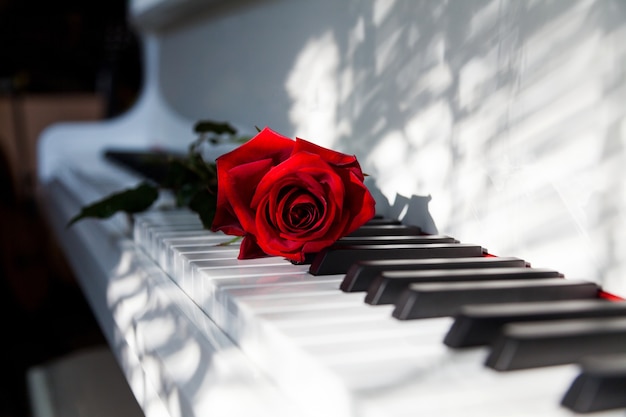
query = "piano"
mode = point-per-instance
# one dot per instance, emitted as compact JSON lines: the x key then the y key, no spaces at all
{"x":198,"y":332}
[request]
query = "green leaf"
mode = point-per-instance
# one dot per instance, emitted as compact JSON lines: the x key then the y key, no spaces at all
{"x":185,"y":193}
{"x":231,"y":241}
{"x":179,"y":174}
{"x":205,"y":172}
{"x":205,"y":126}
{"x":130,"y":201}
{"x":204,"y":203}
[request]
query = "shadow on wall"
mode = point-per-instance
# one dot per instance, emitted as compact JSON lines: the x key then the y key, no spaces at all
{"x":434,"y":86}
{"x":502,"y":111}
{"x":410,"y":210}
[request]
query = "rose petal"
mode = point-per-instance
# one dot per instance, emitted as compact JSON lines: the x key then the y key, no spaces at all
{"x":249,"y":249}
{"x":340,"y":160}
{"x":302,"y":211}
{"x":266,"y":145}
{"x":235,"y":191}
{"x":312,"y":175}
{"x":361,"y":206}
{"x":300,"y":195}
{"x":304,"y":177}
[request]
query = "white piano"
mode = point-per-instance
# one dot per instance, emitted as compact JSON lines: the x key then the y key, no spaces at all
{"x":499,"y":123}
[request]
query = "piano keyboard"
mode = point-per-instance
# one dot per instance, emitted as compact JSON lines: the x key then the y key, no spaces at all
{"x":315,"y":336}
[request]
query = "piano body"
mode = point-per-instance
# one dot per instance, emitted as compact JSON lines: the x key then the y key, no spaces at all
{"x":498,"y":123}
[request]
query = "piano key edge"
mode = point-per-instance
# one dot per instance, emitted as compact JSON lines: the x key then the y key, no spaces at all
{"x":101,"y":267}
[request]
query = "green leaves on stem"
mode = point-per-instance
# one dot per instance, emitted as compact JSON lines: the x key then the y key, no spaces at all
{"x":133,"y":200}
{"x":191,"y":179}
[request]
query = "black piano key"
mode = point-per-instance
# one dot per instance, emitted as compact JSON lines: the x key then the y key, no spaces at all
{"x":379,"y":220}
{"x":388,"y":286}
{"x":154,"y":165}
{"x":600,"y":386}
{"x":362,"y":273}
{"x":337,"y":260}
{"x":480,"y":324}
{"x":558,"y":342}
{"x":445,"y":299}
{"x":393,"y":240}
{"x":373,"y":229}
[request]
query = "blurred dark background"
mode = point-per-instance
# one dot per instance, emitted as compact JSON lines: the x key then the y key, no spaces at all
{"x":69,"y":46}
{"x":61,"y":60}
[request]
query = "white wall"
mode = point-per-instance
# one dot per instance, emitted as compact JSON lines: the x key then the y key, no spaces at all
{"x":504,"y":121}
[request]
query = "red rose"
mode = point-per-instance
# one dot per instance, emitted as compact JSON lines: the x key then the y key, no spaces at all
{"x":289,"y":198}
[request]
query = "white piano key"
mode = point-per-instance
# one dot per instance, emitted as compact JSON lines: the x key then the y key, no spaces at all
{"x":145,"y":228}
{"x":351,"y":314}
{"x":206,"y":263}
{"x":198,"y":240}
{"x":197,"y":370}
{"x":173,"y":259}
{"x":155,"y":237}
{"x":177,"y":257}
{"x":253,"y":276}
{"x":357,"y":359}
{"x":270,"y":275}
{"x":350,"y":332}
{"x":209,"y":277}
{"x":197,"y":244}
{"x":319,"y":300}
